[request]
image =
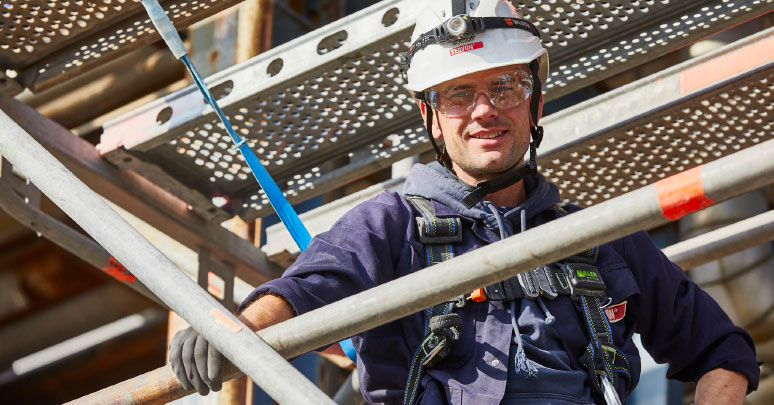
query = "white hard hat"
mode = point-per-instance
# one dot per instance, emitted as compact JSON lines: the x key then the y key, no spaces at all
{"x":434,"y":63}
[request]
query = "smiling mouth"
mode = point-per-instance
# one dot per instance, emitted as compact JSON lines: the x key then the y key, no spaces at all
{"x":489,"y":136}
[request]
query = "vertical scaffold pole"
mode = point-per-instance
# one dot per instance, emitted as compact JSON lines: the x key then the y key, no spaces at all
{"x":231,"y":337}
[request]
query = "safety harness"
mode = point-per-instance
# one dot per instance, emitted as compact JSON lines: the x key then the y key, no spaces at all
{"x":576,"y":276}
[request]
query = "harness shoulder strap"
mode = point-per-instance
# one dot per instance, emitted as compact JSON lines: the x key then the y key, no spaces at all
{"x":442,"y":326}
{"x":604,"y":362}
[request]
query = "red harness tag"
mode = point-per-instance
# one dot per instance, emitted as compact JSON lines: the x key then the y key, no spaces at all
{"x":616,"y":312}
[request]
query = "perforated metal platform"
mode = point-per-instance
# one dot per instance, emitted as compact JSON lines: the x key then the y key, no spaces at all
{"x":687,"y":116}
{"x":336,"y":92}
{"x":47,"y":42}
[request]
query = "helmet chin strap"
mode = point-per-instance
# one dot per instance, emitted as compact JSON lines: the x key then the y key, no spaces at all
{"x":440,"y":154}
{"x":507,"y":179}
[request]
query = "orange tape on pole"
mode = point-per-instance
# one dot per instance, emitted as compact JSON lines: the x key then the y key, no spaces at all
{"x":118,"y":271}
{"x":682,"y":194}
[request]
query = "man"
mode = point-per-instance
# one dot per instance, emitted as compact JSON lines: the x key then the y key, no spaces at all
{"x":476,"y":70}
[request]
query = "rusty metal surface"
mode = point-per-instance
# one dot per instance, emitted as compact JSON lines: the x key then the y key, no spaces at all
{"x":50,"y":41}
{"x":337,"y":90}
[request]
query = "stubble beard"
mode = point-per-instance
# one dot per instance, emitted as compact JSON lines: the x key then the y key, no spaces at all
{"x":484,"y":171}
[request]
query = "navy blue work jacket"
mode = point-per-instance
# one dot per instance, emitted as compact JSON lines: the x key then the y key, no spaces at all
{"x":377,"y":242}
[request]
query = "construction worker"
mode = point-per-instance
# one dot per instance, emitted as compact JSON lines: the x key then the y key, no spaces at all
{"x":559,"y":334}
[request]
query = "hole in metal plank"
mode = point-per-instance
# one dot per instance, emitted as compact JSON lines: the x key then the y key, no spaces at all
{"x":390,"y":17}
{"x":275,"y":67}
{"x":332,"y":42}
{"x":222,"y":90}
{"x":164,"y":116}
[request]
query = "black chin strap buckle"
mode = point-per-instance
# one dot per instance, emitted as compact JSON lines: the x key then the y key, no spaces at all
{"x":537,"y":135}
{"x":537,"y":138}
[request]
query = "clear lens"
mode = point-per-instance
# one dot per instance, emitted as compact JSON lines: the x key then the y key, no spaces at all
{"x":503,"y":91}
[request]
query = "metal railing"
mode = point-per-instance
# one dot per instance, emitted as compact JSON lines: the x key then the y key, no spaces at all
{"x":646,"y":208}
{"x":232,"y":338}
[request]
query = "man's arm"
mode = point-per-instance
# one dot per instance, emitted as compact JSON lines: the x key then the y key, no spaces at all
{"x":266,"y":311}
{"x":720,"y":386}
{"x":271,"y":309}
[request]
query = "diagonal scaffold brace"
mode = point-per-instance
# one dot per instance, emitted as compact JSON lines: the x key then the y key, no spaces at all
{"x":648,"y":207}
{"x":230,"y":336}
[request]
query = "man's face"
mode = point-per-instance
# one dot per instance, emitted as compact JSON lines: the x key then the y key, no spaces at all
{"x":485,"y":141}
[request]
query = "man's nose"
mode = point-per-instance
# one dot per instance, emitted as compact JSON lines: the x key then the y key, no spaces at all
{"x":483,"y":107}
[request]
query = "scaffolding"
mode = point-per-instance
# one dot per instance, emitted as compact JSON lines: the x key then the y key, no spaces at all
{"x":335,"y":94}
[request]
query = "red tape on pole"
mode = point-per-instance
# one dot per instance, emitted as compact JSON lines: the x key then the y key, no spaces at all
{"x":118,"y":271}
{"x":682,"y":194}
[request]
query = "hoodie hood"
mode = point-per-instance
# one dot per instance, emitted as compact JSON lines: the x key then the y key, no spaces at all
{"x":434,"y":182}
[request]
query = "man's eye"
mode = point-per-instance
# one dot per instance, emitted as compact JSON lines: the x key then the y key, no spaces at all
{"x":459,"y":94}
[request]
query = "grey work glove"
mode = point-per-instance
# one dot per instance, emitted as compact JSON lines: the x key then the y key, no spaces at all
{"x":196,"y":363}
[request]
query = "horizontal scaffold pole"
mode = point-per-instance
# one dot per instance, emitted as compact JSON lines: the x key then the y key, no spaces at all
{"x":648,"y":207}
{"x":234,"y":339}
{"x":722,"y":242}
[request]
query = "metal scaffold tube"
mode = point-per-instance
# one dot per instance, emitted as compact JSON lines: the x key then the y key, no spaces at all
{"x":723,"y":242}
{"x":650,"y":206}
{"x":234,"y":339}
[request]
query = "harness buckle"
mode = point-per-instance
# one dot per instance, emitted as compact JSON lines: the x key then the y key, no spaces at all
{"x":529,"y":284}
{"x":444,"y":329}
{"x":431,"y":346}
{"x":547,"y":288}
{"x":584,"y":279}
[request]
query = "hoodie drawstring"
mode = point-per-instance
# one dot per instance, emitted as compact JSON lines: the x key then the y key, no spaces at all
{"x":522,"y":363}
{"x":500,"y":225}
{"x":550,"y":319}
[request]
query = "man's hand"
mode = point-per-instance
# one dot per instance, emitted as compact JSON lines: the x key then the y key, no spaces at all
{"x":196,"y":363}
{"x":720,"y":386}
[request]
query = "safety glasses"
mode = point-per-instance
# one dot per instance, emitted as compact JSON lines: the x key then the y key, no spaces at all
{"x":459,"y":97}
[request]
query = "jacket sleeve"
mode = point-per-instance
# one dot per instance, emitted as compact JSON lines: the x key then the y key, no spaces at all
{"x":359,"y":252}
{"x":679,"y":323}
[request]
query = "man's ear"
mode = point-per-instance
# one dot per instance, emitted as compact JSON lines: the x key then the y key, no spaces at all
{"x":436,"y":128}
